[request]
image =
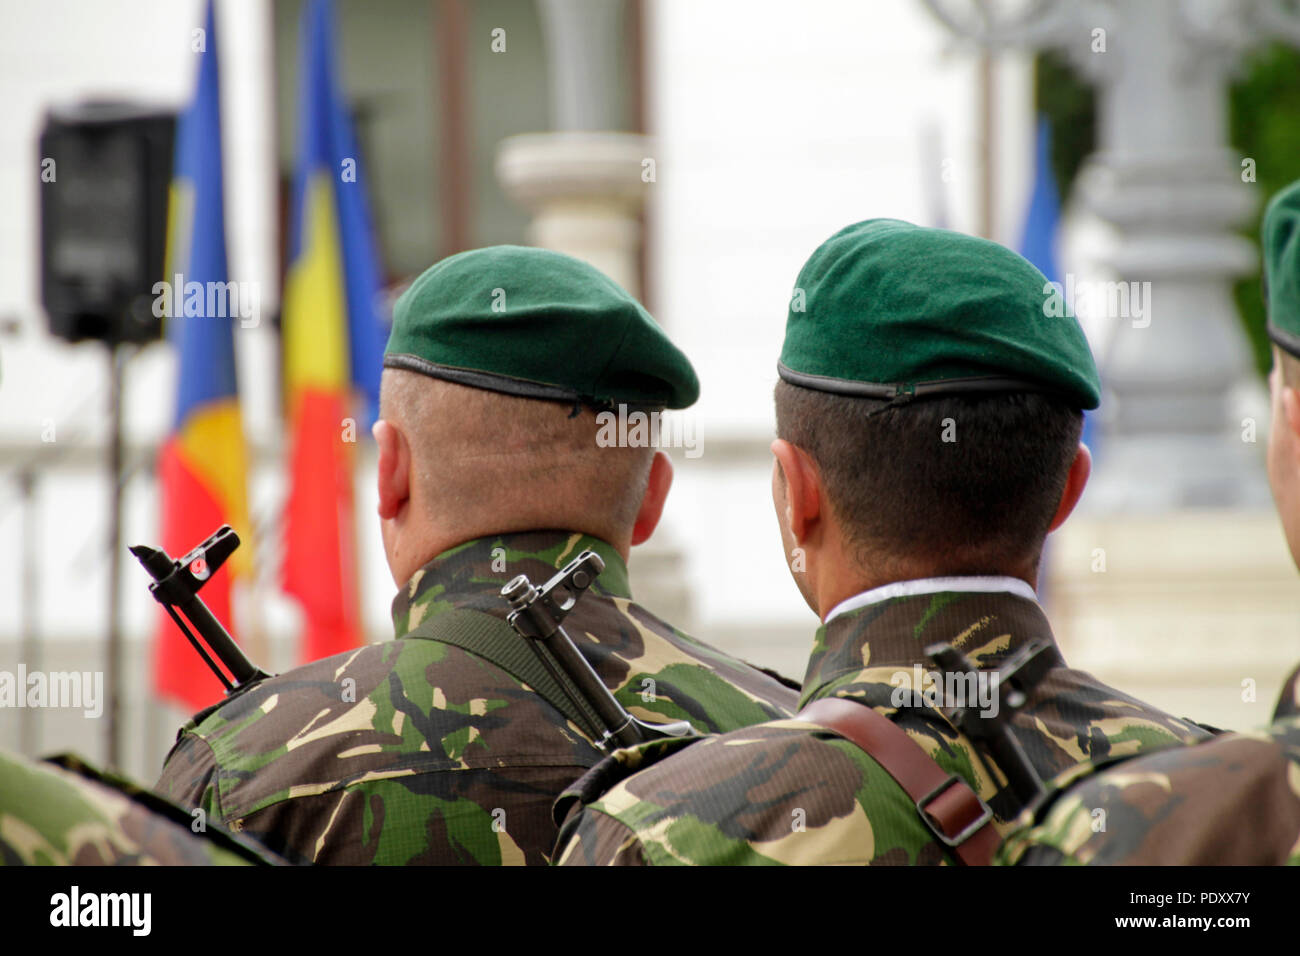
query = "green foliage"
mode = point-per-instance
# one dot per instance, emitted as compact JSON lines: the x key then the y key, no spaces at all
{"x":1069,"y":105}
{"x":1265,"y":126}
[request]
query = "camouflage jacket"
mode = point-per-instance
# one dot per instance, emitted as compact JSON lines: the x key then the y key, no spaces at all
{"x":415,"y":751}
{"x":789,"y":792}
{"x":72,"y":815}
{"x":1233,"y":800}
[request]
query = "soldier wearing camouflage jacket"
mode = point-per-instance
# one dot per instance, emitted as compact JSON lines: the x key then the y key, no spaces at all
{"x":788,"y":792}
{"x":435,"y":755}
{"x":491,"y":463}
{"x":1235,"y":800}
{"x":928,"y":420}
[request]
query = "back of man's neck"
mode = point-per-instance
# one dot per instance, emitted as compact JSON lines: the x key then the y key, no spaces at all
{"x":433,"y":543}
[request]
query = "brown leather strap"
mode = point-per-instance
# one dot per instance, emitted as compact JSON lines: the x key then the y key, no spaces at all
{"x":947,"y":804}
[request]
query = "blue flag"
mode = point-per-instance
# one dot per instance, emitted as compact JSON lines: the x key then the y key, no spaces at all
{"x":196,"y":244}
{"x":1042,"y":222}
{"x":1037,"y":243}
{"x":328,"y":149}
{"x":202,"y":464}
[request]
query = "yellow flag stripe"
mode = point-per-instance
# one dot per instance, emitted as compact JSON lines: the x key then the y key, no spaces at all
{"x":315,"y":307}
{"x":212,"y":443}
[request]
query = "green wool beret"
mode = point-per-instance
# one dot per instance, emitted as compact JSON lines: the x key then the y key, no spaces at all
{"x":1281,"y":242}
{"x":888,"y":310}
{"x":537,"y":324}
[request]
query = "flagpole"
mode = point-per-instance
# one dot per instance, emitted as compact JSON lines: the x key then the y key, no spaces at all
{"x":31,"y":645}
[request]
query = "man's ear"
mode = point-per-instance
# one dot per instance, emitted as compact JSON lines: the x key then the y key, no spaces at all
{"x":652,"y":503}
{"x":1075,"y":481}
{"x":394,"y":469}
{"x":803,"y":489}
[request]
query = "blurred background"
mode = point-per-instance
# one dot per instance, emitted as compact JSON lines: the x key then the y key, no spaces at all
{"x":697,"y":152}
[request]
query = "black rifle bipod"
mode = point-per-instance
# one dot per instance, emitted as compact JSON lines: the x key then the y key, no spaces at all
{"x":176,"y":587}
{"x":537,"y":614}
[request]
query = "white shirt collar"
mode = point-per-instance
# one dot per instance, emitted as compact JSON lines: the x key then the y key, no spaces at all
{"x":984,"y":583}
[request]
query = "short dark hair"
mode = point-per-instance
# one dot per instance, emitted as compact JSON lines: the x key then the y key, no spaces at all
{"x":972,"y":480}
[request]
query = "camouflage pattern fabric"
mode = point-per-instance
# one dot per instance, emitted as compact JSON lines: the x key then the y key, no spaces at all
{"x":413,"y":751}
{"x":52,"y":816}
{"x":1233,"y":800}
{"x":787,"y":792}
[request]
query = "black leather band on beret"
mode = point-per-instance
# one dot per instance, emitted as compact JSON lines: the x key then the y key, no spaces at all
{"x":1288,"y":342}
{"x":900,"y":393}
{"x":837,"y":386}
{"x":486,"y":380}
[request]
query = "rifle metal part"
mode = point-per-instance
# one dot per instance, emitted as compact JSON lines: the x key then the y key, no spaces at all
{"x":1015,"y":679}
{"x":176,"y":587}
{"x":537,"y":615}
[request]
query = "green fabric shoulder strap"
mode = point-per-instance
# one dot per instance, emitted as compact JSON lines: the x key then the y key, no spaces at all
{"x":498,"y":643}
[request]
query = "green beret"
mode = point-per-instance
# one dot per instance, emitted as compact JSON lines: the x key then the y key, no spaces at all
{"x":888,"y":310}
{"x":1281,"y":242}
{"x":537,"y":324}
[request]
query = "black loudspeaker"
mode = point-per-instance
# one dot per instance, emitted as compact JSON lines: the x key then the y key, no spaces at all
{"x":105,"y":169}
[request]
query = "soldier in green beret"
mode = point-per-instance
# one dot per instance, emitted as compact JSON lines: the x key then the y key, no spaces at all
{"x":428,"y":748}
{"x":1281,"y":241}
{"x":1236,"y":799}
{"x":66,"y":813}
{"x":928,"y":415}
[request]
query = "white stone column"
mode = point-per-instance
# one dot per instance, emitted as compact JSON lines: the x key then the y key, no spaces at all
{"x":584,"y":49}
{"x":1165,"y":178}
{"x":1173,"y":581}
{"x":585,"y":192}
{"x":584,"y":184}
{"x":583,"y":181}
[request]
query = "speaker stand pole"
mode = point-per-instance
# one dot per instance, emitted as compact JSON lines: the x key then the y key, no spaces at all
{"x":28,"y":729}
{"x":116,"y":362}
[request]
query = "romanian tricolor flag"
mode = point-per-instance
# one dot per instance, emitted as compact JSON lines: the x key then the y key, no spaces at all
{"x":333,"y":349}
{"x":201,"y":467}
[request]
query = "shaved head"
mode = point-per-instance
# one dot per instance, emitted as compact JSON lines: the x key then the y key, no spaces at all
{"x":483,"y":462}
